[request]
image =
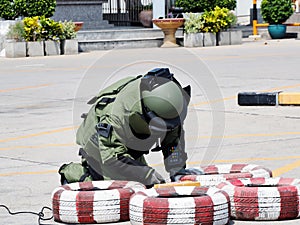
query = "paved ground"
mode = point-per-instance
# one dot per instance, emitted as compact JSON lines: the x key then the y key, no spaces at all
{"x":42,"y":99}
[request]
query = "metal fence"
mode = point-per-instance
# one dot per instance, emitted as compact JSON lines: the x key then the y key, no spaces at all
{"x":124,"y":12}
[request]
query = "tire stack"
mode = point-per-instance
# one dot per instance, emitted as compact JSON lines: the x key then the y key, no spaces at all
{"x":180,"y":205}
{"x":215,"y":174}
{"x":263,"y":198}
{"x":93,"y":202}
{"x":238,"y":191}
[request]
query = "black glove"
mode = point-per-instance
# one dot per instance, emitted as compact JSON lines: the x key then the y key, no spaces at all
{"x":182,"y":172}
{"x":154,"y":178}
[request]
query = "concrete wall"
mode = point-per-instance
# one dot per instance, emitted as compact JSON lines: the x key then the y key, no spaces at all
{"x":87,"y":11}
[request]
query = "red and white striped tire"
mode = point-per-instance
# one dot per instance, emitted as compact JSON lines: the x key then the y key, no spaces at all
{"x":180,"y":205}
{"x":215,"y":174}
{"x":93,"y":202}
{"x":263,"y":198}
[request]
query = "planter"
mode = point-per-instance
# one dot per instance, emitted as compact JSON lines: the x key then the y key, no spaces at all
{"x":223,"y":38}
{"x":34,"y":48}
{"x":193,"y":40}
{"x":78,"y":26}
{"x":277,"y":31}
{"x":4,"y":27}
{"x":69,"y":47}
{"x":52,"y":48}
{"x":209,"y":39}
{"x":232,"y":37}
{"x":169,"y":27}
{"x":145,"y":18}
{"x":15,"y":49}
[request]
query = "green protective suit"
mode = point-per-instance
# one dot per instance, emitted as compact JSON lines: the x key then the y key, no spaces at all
{"x":116,"y":149}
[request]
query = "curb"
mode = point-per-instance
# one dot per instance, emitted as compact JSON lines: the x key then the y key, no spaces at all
{"x":289,"y":98}
{"x":268,"y":98}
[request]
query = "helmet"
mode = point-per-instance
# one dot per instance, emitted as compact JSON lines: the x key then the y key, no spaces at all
{"x":165,"y":100}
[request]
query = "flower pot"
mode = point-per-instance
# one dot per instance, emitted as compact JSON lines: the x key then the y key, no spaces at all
{"x":15,"y":49}
{"x":145,"y":18}
{"x":34,"y":48}
{"x":169,"y":27}
{"x":277,"y":31}
{"x":78,"y":26}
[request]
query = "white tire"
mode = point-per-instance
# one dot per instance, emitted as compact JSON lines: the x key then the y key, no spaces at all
{"x":180,"y":205}
{"x":263,"y":198}
{"x":215,"y":174}
{"x":93,"y":202}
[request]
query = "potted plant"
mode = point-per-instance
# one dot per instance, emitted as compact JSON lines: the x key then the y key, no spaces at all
{"x":33,"y":36}
{"x":69,"y":45}
{"x":211,"y":27}
{"x":51,"y":31}
{"x":276,"y":12}
{"x":193,"y":36}
{"x":216,"y":24}
{"x":15,"y":45}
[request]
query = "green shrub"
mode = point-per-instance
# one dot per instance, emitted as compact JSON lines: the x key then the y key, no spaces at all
{"x":193,"y":24}
{"x":212,"y":21}
{"x":29,"y":8}
{"x":7,"y":10}
{"x":11,"y":9}
{"x":40,"y":28}
{"x":205,"y":5}
{"x":69,"y":32}
{"x":216,"y":20}
{"x":16,"y":31}
{"x":33,"y":29}
{"x":50,"y":29}
{"x":276,"y":11}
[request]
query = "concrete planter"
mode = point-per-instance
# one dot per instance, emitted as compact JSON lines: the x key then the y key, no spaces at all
{"x":209,"y":39}
{"x":193,"y":40}
{"x":236,"y":37}
{"x":35,"y":48}
{"x":232,"y":37}
{"x":223,"y":38}
{"x":15,"y":49}
{"x":69,"y":47}
{"x":52,"y":48}
{"x":4,"y":27}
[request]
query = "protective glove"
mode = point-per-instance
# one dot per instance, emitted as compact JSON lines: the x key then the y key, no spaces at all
{"x":154,"y":178}
{"x":182,"y":172}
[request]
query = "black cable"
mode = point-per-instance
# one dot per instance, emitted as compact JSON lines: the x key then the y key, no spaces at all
{"x":40,"y":214}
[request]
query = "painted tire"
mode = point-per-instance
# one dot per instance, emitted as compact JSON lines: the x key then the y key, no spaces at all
{"x":93,"y":202}
{"x":263,"y":198}
{"x":180,"y":205}
{"x":215,"y":174}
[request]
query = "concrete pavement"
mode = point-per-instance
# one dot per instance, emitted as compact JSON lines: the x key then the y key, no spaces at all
{"x":42,"y":99}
